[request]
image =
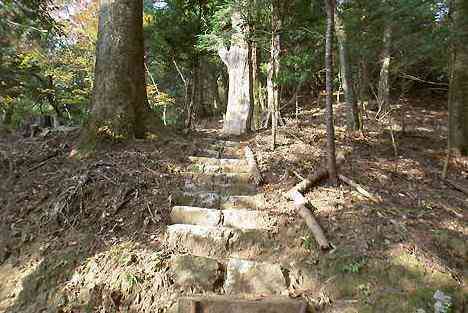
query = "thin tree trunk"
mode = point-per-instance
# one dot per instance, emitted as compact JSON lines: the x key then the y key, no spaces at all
{"x":119,"y":105}
{"x":458,"y":95}
{"x":352,"y":116}
{"x":330,"y":5}
{"x":273,"y":70}
{"x":363,"y":80}
{"x":384,"y":82}
{"x":257,"y":112}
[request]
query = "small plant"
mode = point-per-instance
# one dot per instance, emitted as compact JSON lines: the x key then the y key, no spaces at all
{"x":307,"y":242}
{"x":354,"y":267}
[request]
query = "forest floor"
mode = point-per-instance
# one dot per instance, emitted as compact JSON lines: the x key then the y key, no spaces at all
{"x":104,"y":217}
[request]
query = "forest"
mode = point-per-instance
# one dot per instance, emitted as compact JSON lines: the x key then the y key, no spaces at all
{"x":228,"y":156}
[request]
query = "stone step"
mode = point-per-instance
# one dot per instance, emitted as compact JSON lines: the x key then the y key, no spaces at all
{"x":249,"y":277}
{"x":216,"y":178}
{"x":219,"y":152}
{"x":255,"y":202}
{"x":221,"y":242}
{"x":228,"y":304}
{"x":191,"y":272}
{"x":233,"y":218}
{"x":237,"y":276}
{"x":206,"y":199}
{"x":195,"y":216}
{"x":247,"y":219}
{"x":214,"y":165}
{"x":215,"y":200}
{"x":222,"y":143}
{"x":237,"y":189}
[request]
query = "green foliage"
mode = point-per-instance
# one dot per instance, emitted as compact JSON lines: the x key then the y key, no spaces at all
{"x":355,"y":266}
{"x":308,"y":242}
{"x":41,"y":70}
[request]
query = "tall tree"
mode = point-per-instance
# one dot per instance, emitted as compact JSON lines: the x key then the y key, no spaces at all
{"x":119,"y":106}
{"x":458,"y":95}
{"x":274,"y":69}
{"x":330,"y":7}
{"x":384,"y":82}
{"x":352,"y":115}
{"x":239,"y":110}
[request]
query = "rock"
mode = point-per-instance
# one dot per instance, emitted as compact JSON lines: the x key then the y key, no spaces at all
{"x":252,"y":244}
{"x":195,"y":272}
{"x":224,"y":304}
{"x":254,"y":278}
{"x":199,"y":240}
{"x":195,"y":216}
{"x":304,"y":277}
{"x":246,"y":219}
{"x":443,"y":302}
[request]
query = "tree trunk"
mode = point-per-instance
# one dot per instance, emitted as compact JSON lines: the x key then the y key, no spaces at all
{"x":257,"y":111}
{"x":352,"y":115}
{"x":330,"y":5}
{"x":119,"y":105}
{"x":458,"y":96}
{"x":384,"y":82}
{"x":273,"y":70}
{"x":363,"y":80}
{"x":239,"y":110}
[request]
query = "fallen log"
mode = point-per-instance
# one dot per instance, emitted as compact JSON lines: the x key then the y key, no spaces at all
{"x":300,"y":204}
{"x":359,"y":188}
{"x":315,"y":177}
{"x":253,"y":167}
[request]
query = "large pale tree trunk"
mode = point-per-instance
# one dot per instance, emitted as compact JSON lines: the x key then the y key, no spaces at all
{"x":458,"y":96}
{"x":331,"y":156}
{"x":119,"y":106}
{"x":273,"y":70}
{"x":352,"y":115}
{"x":384,"y":82}
{"x":239,"y":110}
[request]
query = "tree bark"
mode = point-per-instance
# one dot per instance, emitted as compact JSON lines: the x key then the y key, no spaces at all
{"x":119,"y":105}
{"x":273,"y":70}
{"x":352,"y":115}
{"x":330,"y":5}
{"x":458,"y":96}
{"x":239,"y":110}
{"x":256,"y":85}
{"x":384,"y":82}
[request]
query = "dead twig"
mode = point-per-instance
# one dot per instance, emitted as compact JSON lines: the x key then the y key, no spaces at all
{"x":43,"y":162}
{"x":456,"y":186}
{"x":359,"y":188}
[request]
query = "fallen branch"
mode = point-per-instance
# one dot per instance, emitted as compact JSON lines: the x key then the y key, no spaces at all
{"x":359,"y":188}
{"x":44,"y":161}
{"x":304,"y":212}
{"x":253,"y":167}
{"x":457,"y":186}
{"x":314,"y":178}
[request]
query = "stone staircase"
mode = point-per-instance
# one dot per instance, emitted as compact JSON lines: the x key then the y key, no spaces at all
{"x":221,"y":234}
